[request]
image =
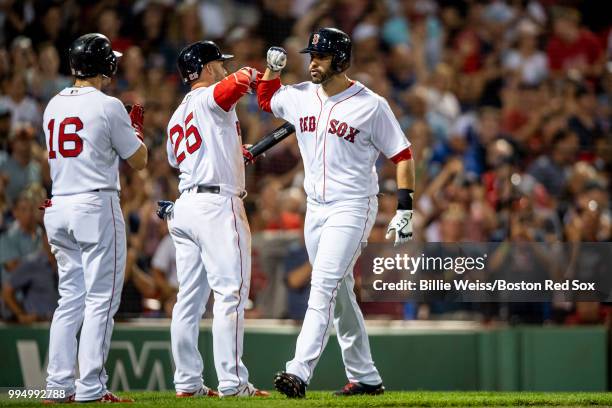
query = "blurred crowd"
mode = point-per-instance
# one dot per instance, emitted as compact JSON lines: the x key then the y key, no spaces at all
{"x":508,"y":106}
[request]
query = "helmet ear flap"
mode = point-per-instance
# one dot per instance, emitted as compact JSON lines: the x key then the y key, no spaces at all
{"x":340,"y":62}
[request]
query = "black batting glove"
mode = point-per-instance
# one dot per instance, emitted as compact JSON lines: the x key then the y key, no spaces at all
{"x":164,"y":209}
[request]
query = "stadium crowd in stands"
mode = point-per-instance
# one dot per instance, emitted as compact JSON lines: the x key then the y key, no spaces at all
{"x":508,"y":105}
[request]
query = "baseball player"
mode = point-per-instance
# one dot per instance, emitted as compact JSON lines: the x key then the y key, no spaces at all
{"x":86,"y":133}
{"x":208,"y":223}
{"x":341,"y":127}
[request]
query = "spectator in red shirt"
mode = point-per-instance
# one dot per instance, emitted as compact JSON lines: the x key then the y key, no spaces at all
{"x":573,"y":47}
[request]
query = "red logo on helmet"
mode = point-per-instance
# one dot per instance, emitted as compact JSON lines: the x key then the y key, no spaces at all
{"x":315,"y":39}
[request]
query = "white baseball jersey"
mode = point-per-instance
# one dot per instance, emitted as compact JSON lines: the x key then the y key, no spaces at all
{"x":204,"y":143}
{"x":340,"y":137}
{"x":86,"y":132}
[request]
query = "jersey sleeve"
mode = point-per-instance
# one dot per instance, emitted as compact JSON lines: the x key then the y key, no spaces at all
{"x":387,"y":135}
{"x":283,"y":102}
{"x":122,"y":134}
{"x":170,"y":152}
{"x":208,"y":103}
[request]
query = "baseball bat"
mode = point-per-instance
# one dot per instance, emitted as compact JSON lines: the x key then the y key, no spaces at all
{"x":272,"y":139}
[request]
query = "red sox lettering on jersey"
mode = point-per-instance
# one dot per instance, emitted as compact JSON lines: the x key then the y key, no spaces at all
{"x":340,"y":129}
{"x":336,"y":127}
{"x":337,"y":135}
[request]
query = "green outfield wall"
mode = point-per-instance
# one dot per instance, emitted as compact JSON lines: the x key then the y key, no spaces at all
{"x":508,"y":359}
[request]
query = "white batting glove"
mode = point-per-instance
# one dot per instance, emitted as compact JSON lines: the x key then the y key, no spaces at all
{"x":401,"y":224}
{"x":250,"y":72}
{"x":276,"y":59}
{"x":252,"y":76}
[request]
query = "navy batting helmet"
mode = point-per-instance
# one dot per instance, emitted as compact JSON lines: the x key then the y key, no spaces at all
{"x":331,"y":41}
{"x":91,"y":55}
{"x":192,"y":59}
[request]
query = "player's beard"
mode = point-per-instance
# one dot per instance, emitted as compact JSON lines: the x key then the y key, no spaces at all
{"x":324,"y":77}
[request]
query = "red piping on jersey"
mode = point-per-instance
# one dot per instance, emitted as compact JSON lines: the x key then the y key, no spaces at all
{"x":335,"y":290}
{"x":405,"y":154}
{"x":230,"y":89}
{"x":325,"y":134}
{"x":314,"y":186}
{"x":265,"y":91}
{"x":239,"y":290}
{"x":110,"y":304}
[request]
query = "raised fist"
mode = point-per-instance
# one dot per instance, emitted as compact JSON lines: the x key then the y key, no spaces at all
{"x":276,"y":59}
{"x":137,"y":117}
{"x":252,"y":76}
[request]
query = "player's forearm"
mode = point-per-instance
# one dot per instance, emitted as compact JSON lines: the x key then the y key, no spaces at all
{"x":270,"y":75}
{"x":138,"y":160}
{"x":266,"y":88}
{"x":405,"y":184}
{"x":405,"y":174}
{"x":276,"y":58}
{"x":401,"y":223}
{"x":233,"y":87}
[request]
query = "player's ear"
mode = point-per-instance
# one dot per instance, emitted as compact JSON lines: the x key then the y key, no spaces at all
{"x":209,"y":69}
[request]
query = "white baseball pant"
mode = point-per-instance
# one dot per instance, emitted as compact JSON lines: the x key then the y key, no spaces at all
{"x":213,"y":252}
{"x":335,"y":233}
{"x":87,"y":235}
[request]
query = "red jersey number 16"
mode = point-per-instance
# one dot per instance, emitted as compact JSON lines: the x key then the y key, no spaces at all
{"x":64,"y":136}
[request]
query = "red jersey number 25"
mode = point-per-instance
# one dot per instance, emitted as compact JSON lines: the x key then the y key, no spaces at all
{"x":193,"y":140}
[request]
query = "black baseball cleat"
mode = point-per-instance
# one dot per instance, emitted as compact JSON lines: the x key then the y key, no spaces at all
{"x":290,"y":385}
{"x":360,"y":389}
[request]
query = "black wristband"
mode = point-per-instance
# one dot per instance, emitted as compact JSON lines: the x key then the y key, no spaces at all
{"x":404,"y":199}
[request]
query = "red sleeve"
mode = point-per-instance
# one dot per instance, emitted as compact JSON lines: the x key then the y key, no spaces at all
{"x":265,"y":91}
{"x":230,"y":89}
{"x":405,"y":154}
